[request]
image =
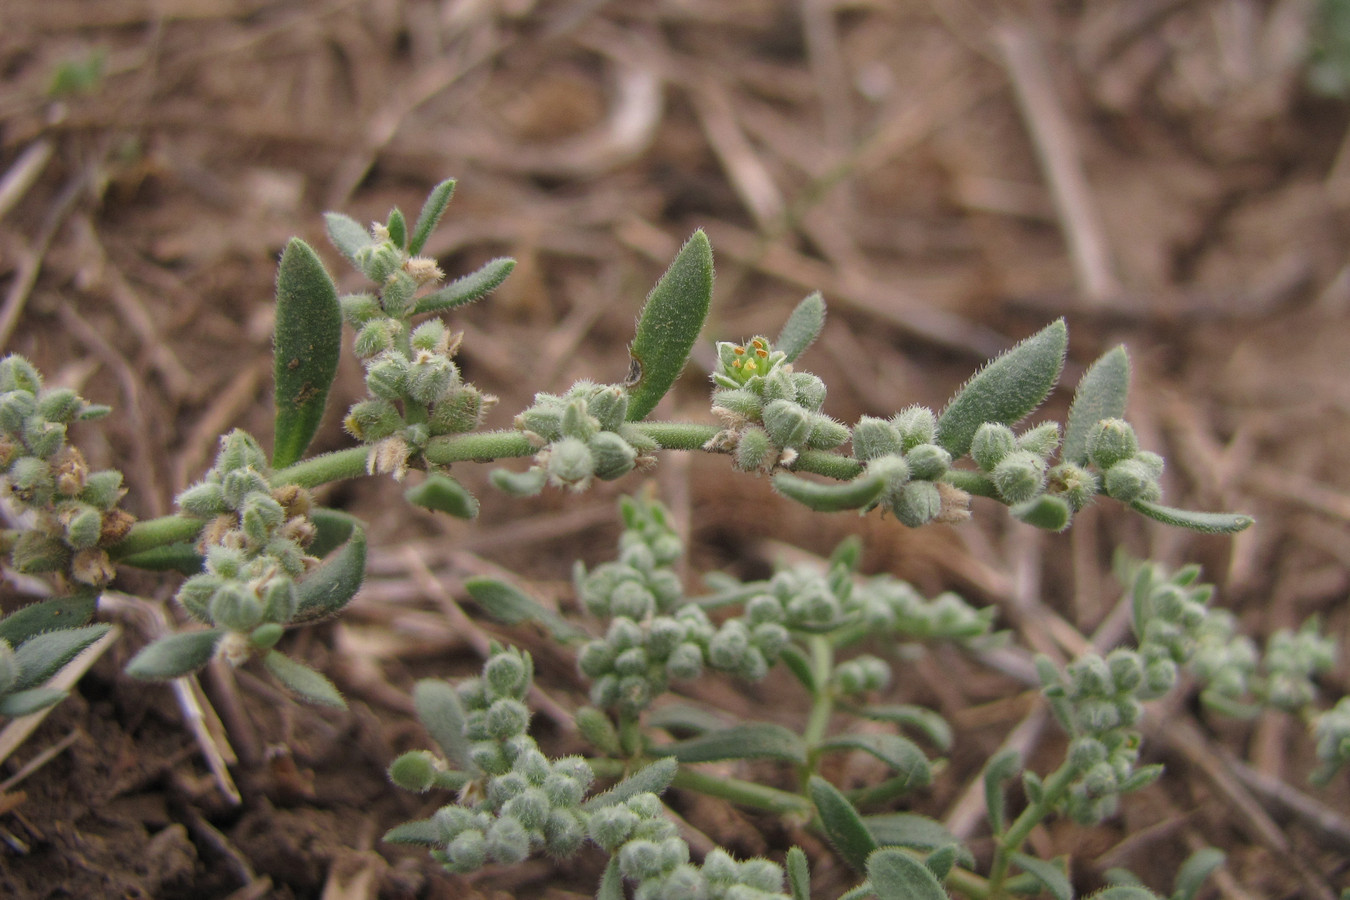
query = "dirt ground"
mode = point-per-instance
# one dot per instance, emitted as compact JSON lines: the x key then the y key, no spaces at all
{"x":951,"y":175}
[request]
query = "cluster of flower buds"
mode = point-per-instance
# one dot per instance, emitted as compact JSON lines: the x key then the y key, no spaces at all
{"x":771,"y":413}
{"x":1017,"y":464}
{"x":1224,"y":661}
{"x":254,"y":546}
{"x":71,"y":513}
{"x":903,"y":452}
{"x":1331,"y":729}
{"x":416,"y":392}
{"x":581,"y":435}
{"x":1098,"y":701}
{"x":663,"y":872}
{"x":1125,"y":472}
{"x":1291,"y":660}
{"x":861,"y":674}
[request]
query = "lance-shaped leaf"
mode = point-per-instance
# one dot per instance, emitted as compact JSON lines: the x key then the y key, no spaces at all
{"x":441,"y":493}
{"x":306,"y":345}
{"x":175,"y":655}
{"x":1195,"y":870}
{"x":1102,"y":394}
{"x":901,"y":754}
{"x":830,"y":497}
{"x":424,"y":832}
{"x":1207,"y":523}
{"x":611,"y":882}
{"x":998,"y":770}
{"x":1047,"y":511}
{"x":397,"y":226}
{"x":802,"y":327}
{"x":1125,"y":892}
{"x":670,"y":323}
{"x":23,"y":703}
{"x":332,"y":528}
{"x":42,"y":655}
{"x":333,"y":583}
{"x":895,"y":875}
{"x":430,"y":215}
{"x":927,"y":722}
{"x":916,"y":832}
{"x":1051,"y":876}
{"x":442,"y":714}
{"x":468,"y":288}
{"x":179,"y":557}
{"x":346,"y":234}
{"x":1006,"y":389}
{"x":756,"y":740}
{"x":303,"y":681}
{"x":512,"y":606}
{"x":654,"y":779}
{"x":799,"y":874}
{"x":843,"y":826}
{"x":47,"y":615}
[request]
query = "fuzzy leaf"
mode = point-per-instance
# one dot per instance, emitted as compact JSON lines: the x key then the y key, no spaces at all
{"x":1006,"y":389}
{"x":670,"y":322}
{"x":510,"y":605}
{"x":441,"y":493}
{"x":802,"y":327}
{"x":923,"y":720}
{"x":998,"y":770}
{"x":611,"y":882}
{"x":333,"y":529}
{"x":346,"y":234}
{"x":468,"y":288}
{"x":424,"y":832}
{"x":1125,"y":892}
{"x":180,"y":557}
{"x":333,"y":583}
{"x":306,"y":345}
{"x":914,"y":831}
{"x":43,"y":655}
{"x":756,"y":740}
{"x":1051,"y":876}
{"x":895,"y":875}
{"x":1102,"y":393}
{"x":799,"y":665}
{"x":654,"y":779}
{"x":1195,"y":870}
{"x":439,"y":710}
{"x":1206,"y":523}
{"x":47,"y":615}
{"x":684,"y":717}
{"x":431,"y":213}
{"x":843,"y":826}
{"x":397,"y":226}
{"x":175,"y":655}
{"x":306,"y":683}
{"x":1047,"y":512}
{"x":23,"y":703}
{"x":830,"y":497}
{"x":901,"y":754}
{"x":799,"y":874}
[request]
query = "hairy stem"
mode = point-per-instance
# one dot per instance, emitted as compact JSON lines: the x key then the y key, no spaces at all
{"x":1011,"y":841}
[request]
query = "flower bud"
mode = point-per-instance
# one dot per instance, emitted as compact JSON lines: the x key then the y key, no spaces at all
{"x":826,"y":433}
{"x":204,"y":500}
{"x":918,"y":503}
{"x":992,"y":442}
{"x":570,"y":463}
{"x":563,"y":832}
{"x":1131,"y":480}
{"x":372,"y":420}
{"x":614,"y":457}
{"x":788,"y":424}
{"x":728,"y":647}
{"x":928,"y":462}
{"x":778,"y":385}
{"x":1111,"y":441}
{"x":467,"y":852}
{"x":35,"y":552}
{"x":1041,"y":440}
{"x":685,"y":662}
{"x":809,"y":390}
{"x":430,"y":377}
{"x":506,"y":674}
{"x":609,"y":407}
{"x":1019,"y":476}
{"x":280,"y":600}
{"x":59,"y":405}
{"x":531,"y":808}
{"x":754,"y":450}
{"x":266,"y":635}
{"x":195,"y":595}
{"x":874,"y":438}
{"x":610,"y":826}
{"x":83,"y":525}
{"x":387,"y":376}
{"x":43,"y":439}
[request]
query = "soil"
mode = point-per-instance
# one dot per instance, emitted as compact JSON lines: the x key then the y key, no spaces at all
{"x":950,"y":175}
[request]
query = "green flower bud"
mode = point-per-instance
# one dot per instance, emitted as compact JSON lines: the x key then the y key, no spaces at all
{"x":265,"y":636}
{"x":719,"y":867}
{"x":507,"y":717}
{"x":387,"y":376}
{"x":605,"y":691}
{"x":739,"y":401}
{"x":754,"y":450}
{"x":664,"y":635}
{"x":917,"y":504}
{"x":239,"y":450}
{"x":992,"y":442}
{"x":1019,"y":476}
{"x":36,"y":552}
{"x":632,"y":601}
{"x":614,"y":457}
{"x":610,"y":826}
{"x":18,"y":374}
{"x":467,"y":852}
{"x":43,"y":439}
{"x":595,"y":659}
{"x":531,"y":808}
{"x":397,"y":292}
{"x":1074,"y":483}
{"x":761,"y":875}
{"x":414,"y":771}
{"x":489,"y":757}
{"x":1126,"y":669}
{"x":928,"y":462}
{"x":31,"y":480}
{"x":1111,"y":441}
{"x":1159,"y":678}
{"x":777,"y":385}
{"x":507,"y":674}
{"x":204,"y":500}
{"x":1041,"y":440}
{"x":1100,"y":780}
{"x":1090,"y":676}
{"x":238,"y":484}
{"x":570,"y":463}
{"x":685,"y":662}
{"x":809,"y":390}
{"x":235,"y":607}
{"x":753,"y":665}
{"x":666,"y":549}
{"x":563,"y":790}
{"x":770,"y":638}
{"x":59,"y":405}
{"x":635,"y":693}
{"x":631,"y":662}
{"x":373,"y":420}
{"x":624,"y":633}
{"x":598,"y":730}
{"x":874,"y":438}
{"x":1131,"y":480}
{"x":375,"y":337}
{"x":764,"y":608}
{"x":430,"y":377}
{"x":609,"y":407}
{"x":83,"y":526}
{"x":576,"y":422}
{"x":788,"y":424}
{"x":459,"y":411}
{"x":640,"y":860}
{"x":826,"y":433}
{"x":195,"y":595}
{"x":359,"y":309}
{"x":729,"y":646}
{"x":429,"y":337}
{"x":280,"y":600}
{"x":563,"y":832}
{"x":1086,"y":752}
{"x":260,"y":517}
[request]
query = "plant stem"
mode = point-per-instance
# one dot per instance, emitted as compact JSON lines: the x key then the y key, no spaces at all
{"x":744,"y":793}
{"x":1011,"y":841}
{"x":154,"y":533}
{"x":822,"y":702}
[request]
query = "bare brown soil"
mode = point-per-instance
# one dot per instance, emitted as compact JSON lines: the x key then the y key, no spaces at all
{"x":950,"y":175}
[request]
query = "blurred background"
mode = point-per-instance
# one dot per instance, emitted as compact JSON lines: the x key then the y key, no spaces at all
{"x":951,"y":174}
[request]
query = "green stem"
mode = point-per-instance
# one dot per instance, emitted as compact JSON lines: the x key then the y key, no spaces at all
{"x":822,"y":702}
{"x":154,"y":533}
{"x":743,"y":793}
{"x":317,"y":470}
{"x":1011,"y":841}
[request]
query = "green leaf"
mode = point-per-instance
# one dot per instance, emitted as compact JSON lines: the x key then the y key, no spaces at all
{"x":799,"y":874}
{"x":843,"y":826}
{"x":179,"y":557}
{"x":175,"y":655}
{"x":1102,"y":393}
{"x":306,"y":345}
{"x":670,"y":323}
{"x":940,"y":861}
{"x":916,"y":832}
{"x":999,"y":770}
{"x":333,"y":583}
{"x":756,"y":740}
{"x":430,"y":215}
{"x":923,"y":720}
{"x":1124,"y":892}
{"x":830,"y":497}
{"x":346,"y":234}
{"x":611,"y":882}
{"x":47,"y":615}
{"x":510,"y":605}
{"x":1006,"y":389}
{"x":1051,"y":876}
{"x":43,"y":655}
{"x":302,"y":680}
{"x":421,"y":831}
{"x":895,"y":875}
{"x":654,"y":779}
{"x":684,"y":717}
{"x":901,"y":754}
{"x":439,"y":710}
{"x":802,"y":327}
{"x":1047,"y":511}
{"x":24,"y":703}
{"x":468,"y":288}
{"x":1195,"y":870}
{"x":397,"y":226}
{"x":441,"y":493}
{"x":799,"y":664}
{"x":1206,"y":523}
